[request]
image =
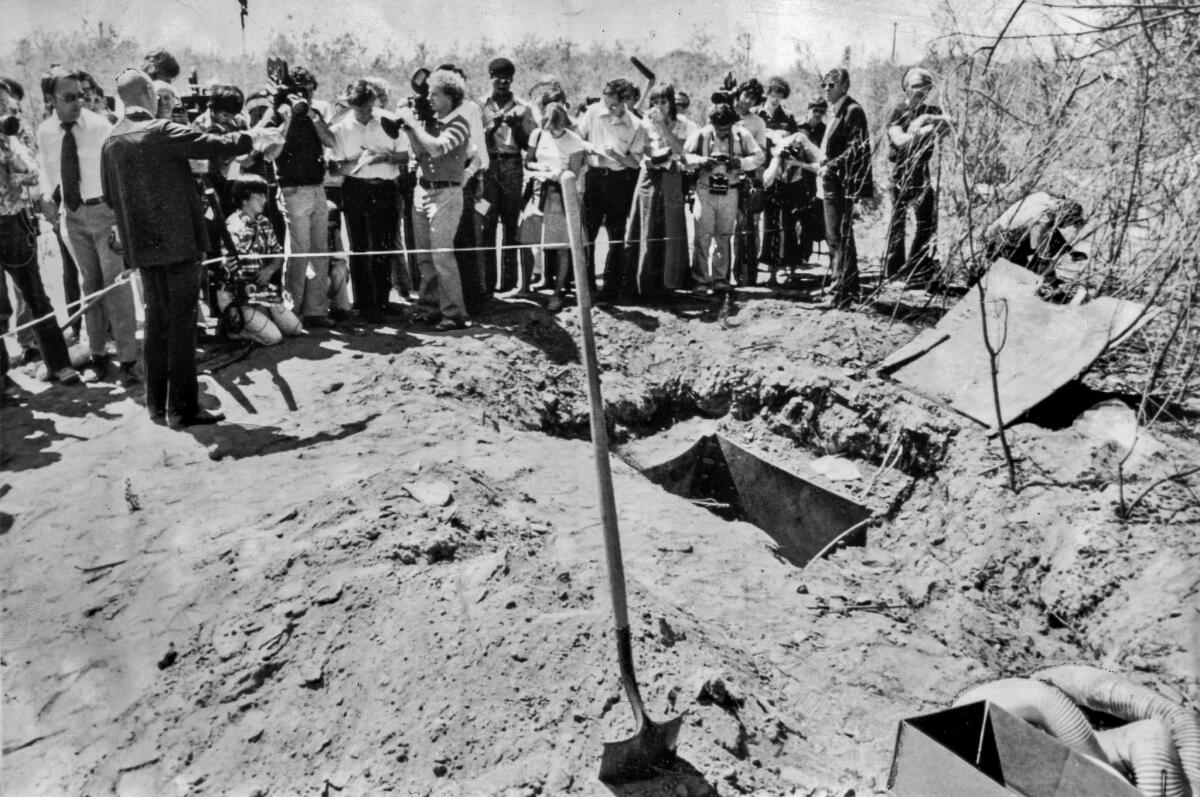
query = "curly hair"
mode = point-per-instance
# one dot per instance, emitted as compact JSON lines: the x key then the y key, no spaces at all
{"x":449,"y":83}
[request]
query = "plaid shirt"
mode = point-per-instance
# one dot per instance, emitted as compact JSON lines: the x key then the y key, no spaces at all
{"x":252,"y":236}
{"x":18,"y":176}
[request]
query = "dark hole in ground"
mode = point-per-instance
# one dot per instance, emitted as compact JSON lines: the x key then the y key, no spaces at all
{"x":804,"y":519}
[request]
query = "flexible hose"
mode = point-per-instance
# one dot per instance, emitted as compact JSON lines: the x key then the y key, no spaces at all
{"x":1042,"y":705}
{"x":1146,"y":749}
{"x":1103,"y":691}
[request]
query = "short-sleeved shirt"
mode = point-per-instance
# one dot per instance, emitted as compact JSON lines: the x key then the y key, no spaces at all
{"x":354,"y":138}
{"x":910,"y":170}
{"x":252,"y":235}
{"x":19,"y":176}
{"x":555,"y":153}
{"x":604,"y":131}
{"x":504,"y":140}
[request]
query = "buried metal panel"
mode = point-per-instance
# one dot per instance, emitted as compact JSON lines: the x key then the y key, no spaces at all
{"x":1042,"y":346}
{"x":803,"y":518}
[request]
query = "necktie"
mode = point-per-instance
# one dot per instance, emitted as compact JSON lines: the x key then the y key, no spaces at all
{"x":70,"y":169}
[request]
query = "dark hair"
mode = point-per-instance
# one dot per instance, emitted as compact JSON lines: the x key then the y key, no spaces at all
{"x":160,"y":65}
{"x":226,"y":99}
{"x":56,"y":73}
{"x":685,"y":97}
{"x":88,"y":81}
{"x":778,"y":84}
{"x":620,"y":88}
{"x":455,"y":68}
{"x":553,"y":93}
{"x":722,"y":114}
{"x":840,"y":74}
{"x":665,"y":91}
{"x":302,"y":78}
{"x":13,"y":87}
{"x":754,"y":88}
{"x":361,"y":93}
{"x":245,"y":187}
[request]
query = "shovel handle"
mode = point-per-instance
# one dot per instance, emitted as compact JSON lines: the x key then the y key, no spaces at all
{"x":608,"y":505}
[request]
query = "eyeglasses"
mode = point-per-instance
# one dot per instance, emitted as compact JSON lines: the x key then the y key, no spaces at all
{"x":829,"y":85}
{"x":70,"y":96}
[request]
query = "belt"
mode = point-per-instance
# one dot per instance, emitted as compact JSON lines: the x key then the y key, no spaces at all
{"x":606,"y":170}
{"x":431,"y":184}
{"x":371,"y":180}
{"x":503,"y":155}
{"x":96,"y":200}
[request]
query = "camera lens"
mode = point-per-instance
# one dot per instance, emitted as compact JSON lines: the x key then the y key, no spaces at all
{"x":10,"y":125}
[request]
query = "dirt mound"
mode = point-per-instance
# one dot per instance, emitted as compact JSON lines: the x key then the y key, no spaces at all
{"x":385,"y":573}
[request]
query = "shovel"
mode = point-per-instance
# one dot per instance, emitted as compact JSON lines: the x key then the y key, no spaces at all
{"x":651,"y":749}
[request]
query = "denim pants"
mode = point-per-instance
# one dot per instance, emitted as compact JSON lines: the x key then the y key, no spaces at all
{"x":716,"y":222}
{"x":436,"y":212}
{"x":306,"y":214}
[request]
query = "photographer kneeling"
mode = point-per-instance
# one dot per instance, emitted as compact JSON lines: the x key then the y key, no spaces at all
{"x":724,"y":155}
{"x":440,"y":145}
{"x":251,"y":308}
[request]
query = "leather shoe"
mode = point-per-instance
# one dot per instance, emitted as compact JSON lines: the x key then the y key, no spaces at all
{"x":317,"y":322}
{"x":198,"y":418}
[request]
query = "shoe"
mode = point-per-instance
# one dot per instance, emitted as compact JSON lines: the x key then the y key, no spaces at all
{"x":448,"y":324}
{"x":317,"y":322}
{"x":128,"y":373}
{"x":99,"y":365}
{"x":197,"y":418}
{"x":341,"y":315}
{"x":700,"y":290}
{"x":67,"y":376}
{"x":555,"y":304}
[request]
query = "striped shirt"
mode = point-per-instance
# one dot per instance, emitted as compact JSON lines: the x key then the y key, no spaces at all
{"x":446,"y":159}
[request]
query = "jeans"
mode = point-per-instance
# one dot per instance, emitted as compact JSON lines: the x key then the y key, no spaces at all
{"x":88,"y":230}
{"x":921,"y":263}
{"x":372,"y":212}
{"x":843,"y":256}
{"x":436,"y":213}
{"x":306,"y":214}
{"x":18,"y":256}
{"x":170,"y":344}
{"x":503,"y":183}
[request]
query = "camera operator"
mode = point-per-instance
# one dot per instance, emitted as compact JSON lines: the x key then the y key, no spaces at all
{"x":724,"y":153}
{"x":160,"y":65}
{"x":508,"y":123}
{"x":441,"y":145}
{"x":617,"y":141}
{"x":300,"y":172}
{"x":791,"y":187}
{"x":779,"y":229}
{"x":19,"y":188}
{"x":370,"y":161}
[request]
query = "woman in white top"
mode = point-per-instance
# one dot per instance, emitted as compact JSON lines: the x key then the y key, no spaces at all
{"x":554,"y":149}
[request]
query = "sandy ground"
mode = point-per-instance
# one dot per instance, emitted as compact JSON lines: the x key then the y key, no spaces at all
{"x":385,"y":573}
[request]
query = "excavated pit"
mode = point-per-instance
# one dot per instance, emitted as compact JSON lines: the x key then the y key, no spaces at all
{"x":804,"y":519}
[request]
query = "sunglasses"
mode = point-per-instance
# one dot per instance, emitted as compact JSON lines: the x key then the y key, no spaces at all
{"x":829,"y":85}
{"x":70,"y":96}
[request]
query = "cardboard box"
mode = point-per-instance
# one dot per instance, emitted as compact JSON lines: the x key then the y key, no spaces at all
{"x":981,"y":750}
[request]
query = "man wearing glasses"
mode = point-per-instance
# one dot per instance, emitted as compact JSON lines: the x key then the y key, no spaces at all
{"x":69,"y":144}
{"x":845,"y":175}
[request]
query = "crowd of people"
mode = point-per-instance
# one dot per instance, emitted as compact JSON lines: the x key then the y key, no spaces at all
{"x":289,"y":213}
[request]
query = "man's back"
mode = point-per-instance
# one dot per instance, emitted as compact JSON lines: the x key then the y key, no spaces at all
{"x":148,"y":181}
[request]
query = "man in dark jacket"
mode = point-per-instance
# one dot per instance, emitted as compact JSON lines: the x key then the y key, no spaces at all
{"x":148,"y":182}
{"x":845,"y":176}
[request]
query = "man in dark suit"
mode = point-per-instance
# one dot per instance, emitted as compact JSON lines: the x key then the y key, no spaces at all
{"x":845,"y":176}
{"x":147,"y":181}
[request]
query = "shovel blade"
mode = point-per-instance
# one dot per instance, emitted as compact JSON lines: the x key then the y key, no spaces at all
{"x":646,"y":754}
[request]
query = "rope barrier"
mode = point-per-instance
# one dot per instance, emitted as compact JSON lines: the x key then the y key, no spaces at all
{"x":84,"y":306}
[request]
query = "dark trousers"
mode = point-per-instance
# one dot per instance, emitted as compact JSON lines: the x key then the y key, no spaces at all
{"x":372,"y":212}
{"x":607,"y":201}
{"x":843,"y":256}
{"x":779,"y":244}
{"x":921,"y":263}
{"x":745,"y":248}
{"x":812,"y":229}
{"x":170,"y":345}
{"x":503,"y":183}
{"x":472,"y":263}
{"x":18,"y":255}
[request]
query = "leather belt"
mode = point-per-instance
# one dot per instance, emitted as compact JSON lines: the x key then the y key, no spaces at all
{"x":503,"y":155}
{"x":431,"y":184}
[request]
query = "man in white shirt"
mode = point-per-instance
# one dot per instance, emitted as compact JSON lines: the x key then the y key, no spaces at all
{"x":617,"y":142}
{"x":69,"y":143}
{"x":371,"y":161}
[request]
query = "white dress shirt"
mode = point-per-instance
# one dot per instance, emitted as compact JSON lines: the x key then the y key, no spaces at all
{"x":478,"y":154}
{"x":354,"y":138}
{"x":603,"y":132}
{"x":90,"y":131}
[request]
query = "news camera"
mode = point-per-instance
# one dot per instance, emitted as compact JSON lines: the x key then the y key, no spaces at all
{"x":195,"y":102}
{"x":419,"y":101}
{"x":285,"y":89}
